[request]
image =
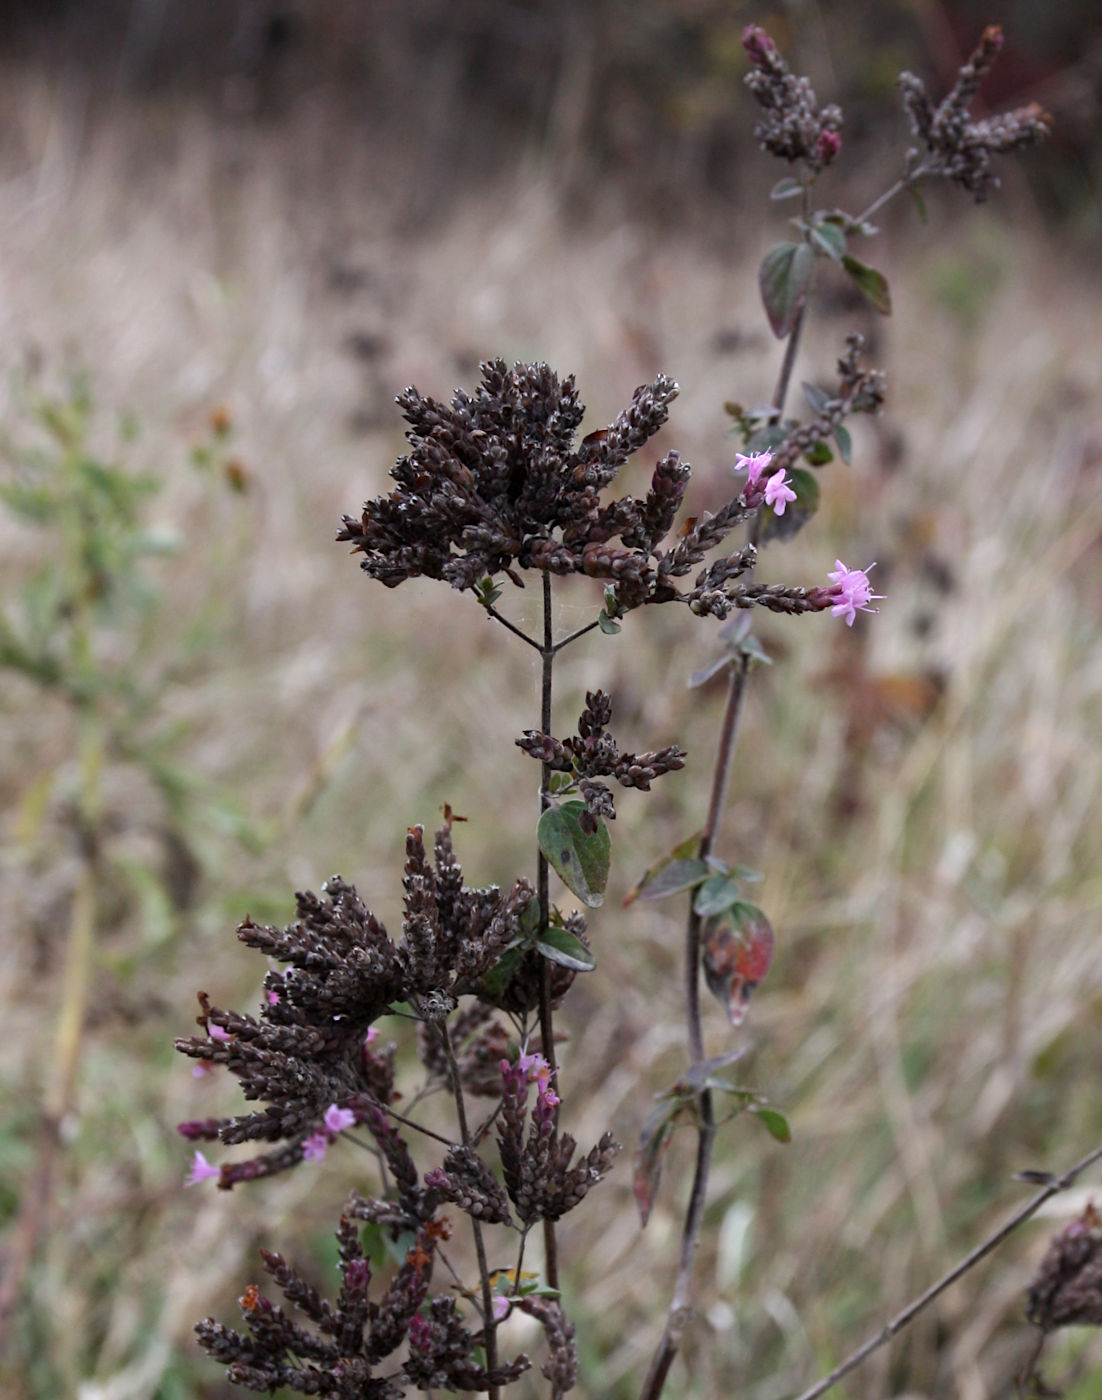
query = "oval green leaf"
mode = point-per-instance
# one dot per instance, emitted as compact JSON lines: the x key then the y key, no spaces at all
{"x":873,"y":285}
{"x":775,"y":1124}
{"x":559,"y":945}
{"x":784,"y":278}
{"x":581,"y":861}
{"x":716,"y":895}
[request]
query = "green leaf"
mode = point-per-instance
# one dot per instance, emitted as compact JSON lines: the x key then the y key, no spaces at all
{"x":798,"y":512}
{"x":487,"y":592}
{"x":672,"y":878}
{"x":830,"y":239}
{"x":559,"y":945}
{"x":818,"y":400}
{"x":684,"y":851}
{"x":561,"y":782}
{"x":501,"y":974}
{"x":819,"y":454}
{"x":715,"y":895}
{"x":784,"y":279}
{"x":751,"y":647}
{"x":845,"y":443}
{"x":775,"y":1124}
{"x":705,"y":674}
{"x":607,"y":625}
{"x":872,"y":284}
{"x":787,"y":188}
{"x":581,"y":861}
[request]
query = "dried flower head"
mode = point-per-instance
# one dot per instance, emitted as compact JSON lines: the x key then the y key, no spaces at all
{"x":350,"y":1342}
{"x":593,"y":753}
{"x":1067,"y":1288}
{"x":794,"y":127}
{"x":307,"y":1055}
{"x":497,"y":483}
{"x":958,"y":147}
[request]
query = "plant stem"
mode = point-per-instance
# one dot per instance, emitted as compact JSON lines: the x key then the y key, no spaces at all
{"x":911,"y":1311}
{"x":904,"y":182}
{"x":490,"y":1325}
{"x":547,"y":1028}
{"x":680,"y":1310}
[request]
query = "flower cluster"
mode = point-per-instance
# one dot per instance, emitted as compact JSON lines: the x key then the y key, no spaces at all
{"x":308,"y":1055}
{"x":794,"y":127}
{"x":593,"y":753}
{"x":342,"y":1354}
{"x":497,"y":483}
{"x":541,"y":1182}
{"x":958,"y":147}
{"x":1067,"y":1288}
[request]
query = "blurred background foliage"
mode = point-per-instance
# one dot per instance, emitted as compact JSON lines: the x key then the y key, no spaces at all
{"x":230,"y":233}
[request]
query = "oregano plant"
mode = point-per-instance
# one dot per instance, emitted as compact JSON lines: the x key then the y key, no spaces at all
{"x":496,"y":491}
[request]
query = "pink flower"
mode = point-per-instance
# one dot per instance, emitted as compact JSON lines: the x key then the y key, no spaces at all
{"x":778,"y":492}
{"x":273,"y":998}
{"x":502,"y":1307}
{"x":217,"y":1033}
{"x":202,"y":1069}
{"x":851,"y":591}
{"x":201,"y":1170}
{"x":372,"y":1035}
{"x":755,"y":464}
{"x":315,"y":1147}
{"x":533,"y":1067}
{"x":828,"y":146}
{"x":337,"y":1119}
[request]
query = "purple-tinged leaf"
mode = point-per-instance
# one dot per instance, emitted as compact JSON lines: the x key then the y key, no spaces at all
{"x":738,"y":952}
{"x":654,"y":1141}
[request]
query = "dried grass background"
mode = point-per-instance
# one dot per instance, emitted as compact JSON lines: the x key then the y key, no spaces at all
{"x":923,"y":792}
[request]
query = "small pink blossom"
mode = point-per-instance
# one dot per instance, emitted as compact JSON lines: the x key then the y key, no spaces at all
{"x":501,"y":1307}
{"x":778,"y":492}
{"x":337,"y":1119}
{"x":201,"y":1170}
{"x":315,"y":1147}
{"x":851,"y":591}
{"x":273,"y":998}
{"x":533,"y":1066}
{"x":202,"y":1069}
{"x":372,"y":1035}
{"x":755,"y":464}
{"x":217,"y":1033}
{"x":828,"y":146}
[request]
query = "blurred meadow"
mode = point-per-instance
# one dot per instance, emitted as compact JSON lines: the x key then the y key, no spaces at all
{"x":228,"y":236}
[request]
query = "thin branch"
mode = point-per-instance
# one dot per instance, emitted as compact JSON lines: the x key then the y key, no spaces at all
{"x":490,"y":1325}
{"x":516,"y":631}
{"x":417,"y":1127}
{"x":547,"y":1027}
{"x":589,"y":626}
{"x":911,"y":1311}
{"x":903,"y":183}
{"x":680,"y":1309}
